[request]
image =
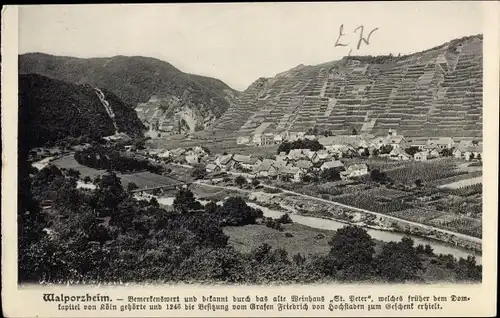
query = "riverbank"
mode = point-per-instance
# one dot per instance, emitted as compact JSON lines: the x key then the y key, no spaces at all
{"x":386,"y":228}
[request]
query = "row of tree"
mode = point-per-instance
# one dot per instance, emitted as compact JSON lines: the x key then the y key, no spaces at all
{"x":101,"y":157}
{"x":313,"y":145}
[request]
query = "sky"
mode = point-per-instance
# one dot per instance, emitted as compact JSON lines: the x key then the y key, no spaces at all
{"x":238,"y":43}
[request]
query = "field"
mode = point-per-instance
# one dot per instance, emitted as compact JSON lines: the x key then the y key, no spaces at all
{"x":142,"y":179}
{"x":419,"y":215}
{"x":215,"y":194}
{"x":304,"y":240}
{"x":373,"y":203}
{"x":425,"y":171}
{"x":462,"y":224}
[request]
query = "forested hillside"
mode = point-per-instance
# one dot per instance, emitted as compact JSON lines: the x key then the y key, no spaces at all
{"x":165,"y":95}
{"x":51,"y":110}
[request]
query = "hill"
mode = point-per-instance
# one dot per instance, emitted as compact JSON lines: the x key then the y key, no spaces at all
{"x":163,"y":96}
{"x":51,"y":110}
{"x":430,"y":93}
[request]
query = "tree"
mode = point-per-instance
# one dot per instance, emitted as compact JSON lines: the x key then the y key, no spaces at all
{"x":399,"y":261}
{"x":313,"y":145}
{"x":412,"y":150}
{"x":428,"y":249}
{"x":378,"y":176}
{"x":468,"y":270}
{"x":108,"y":195}
{"x":354,"y":131}
{"x":418,"y":183}
{"x":365,"y":153}
{"x":73,"y":173}
{"x":386,"y":149}
{"x":240,"y":181}
{"x":285,"y":219}
{"x":331,"y":174}
{"x":236,"y":212}
{"x":87,"y":179}
{"x":446,"y":152}
{"x":185,"y":201}
{"x":478,"y":157}
{"x":471,"y":157}
{"x":199,"y":173}
{"x":306,"y":178}
{"x":352,"y":250}
{"x":255,"y":182}
{"x":132,"y":186}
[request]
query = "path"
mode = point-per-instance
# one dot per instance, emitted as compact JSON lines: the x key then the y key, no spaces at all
{"x":470,"y":238}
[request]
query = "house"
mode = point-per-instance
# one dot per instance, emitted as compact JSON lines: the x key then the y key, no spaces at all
{"x":295,"y":172}
{"x":267,"y":139}
{"x":399,"y":154}
{"x":292,"y":136}
{"x":303,"y":164}
{"x":444,"y":143}
{"x":242,"y":140}
{"x":165,"y":154}
{"x":473,"y":152}
{"x":296,"y":154}
{"x":335,"y":143}
{"x":251,"y":162}
{"x":177,"y":152}
{"x":434,"y":153}
{"x":313,"y":157}
{"x":282,"y":156}
{"x":458,"y":153}
{"x":310,"y":137}
{"x":421,"y":156}
{"x":378,"y":142}
{"x":418,"y":144}
{"x":199,"y":150}
{"x":257,"y":139}
{"x":323,"y":155}
{"x":332,"y":164}
{"x":396,"y":141}
{"x":212,"y":167}
{"x":266,"y":169}
{"x":465,"y":143}
{"x":225,"y":162}
{"x":278,"y":139}
{"x":192,"y":159}
{"x":355,"y":170}
{"x":247,"y":162}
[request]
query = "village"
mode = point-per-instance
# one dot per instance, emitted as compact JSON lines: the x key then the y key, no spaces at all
{"x":297,"y":163}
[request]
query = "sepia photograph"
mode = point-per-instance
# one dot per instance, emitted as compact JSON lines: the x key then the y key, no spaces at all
{"x":267,"y":144}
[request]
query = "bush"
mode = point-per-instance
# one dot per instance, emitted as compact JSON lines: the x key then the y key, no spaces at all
{"x":240,"y":181}
{"x":199,"y":173}
{"x":313,"y":145}
{"x":285,"y":219}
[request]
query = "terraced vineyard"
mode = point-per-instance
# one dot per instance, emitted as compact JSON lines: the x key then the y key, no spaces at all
{"x":435,"y":92}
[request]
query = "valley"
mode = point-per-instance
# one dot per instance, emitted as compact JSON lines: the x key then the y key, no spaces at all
{"x":131,"y":158}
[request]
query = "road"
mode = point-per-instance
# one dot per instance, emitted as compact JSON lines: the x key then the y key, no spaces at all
{"x":428,"y":227}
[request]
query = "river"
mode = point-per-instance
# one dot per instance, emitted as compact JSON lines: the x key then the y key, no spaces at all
{"x":332,"y":225}
{"x":385,"y":236}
